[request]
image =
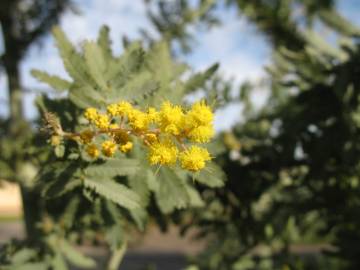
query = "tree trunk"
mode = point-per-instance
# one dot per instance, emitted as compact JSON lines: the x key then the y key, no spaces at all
{"x":15,"y":93}
{"x":18,"y":125}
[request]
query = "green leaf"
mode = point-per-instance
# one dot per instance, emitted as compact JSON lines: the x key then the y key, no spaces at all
{"x":114,"y":236}
{"x":23,"y":255}
{"x":104,"y":42}
{"x":332,"y":18}
{"x":138,"y":183}
{"x":136,"y":88}
{"x":58,"y":262}
{"x":73,"y":62}
{"x":113,"y":191}
{"x":114,"y":233}
{"x":75,"y":257}
{"x":54,"y":81}
{"x":113,"y":211}
{"x":128,"y":64}
{"x":59,"y":150}
{"x":63,"y":179}
{"x":69,"y":216}
{"x":211,"y":176}
{"x":199,"y":79}
{"x":172,"y":193}
{"x":60,"y":187}
{"x":160,"y":62}
{"x":151,"y":181}
{"x":31,"y":266}
{"x":216,"y":147}
{"x":96,"y":64}
{"x":85,"y":96}
{"x":140,"y":217}
{"x":166,"y":73}
{"x":113,"y":167}
{"x":194,"y":197}
{"x":322,"y":45}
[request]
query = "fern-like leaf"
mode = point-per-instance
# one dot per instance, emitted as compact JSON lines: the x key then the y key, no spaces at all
{"x":113,"y":191}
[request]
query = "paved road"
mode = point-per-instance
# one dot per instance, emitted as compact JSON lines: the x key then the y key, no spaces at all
{"x":156,"y":251}
{"x":150,"y":261}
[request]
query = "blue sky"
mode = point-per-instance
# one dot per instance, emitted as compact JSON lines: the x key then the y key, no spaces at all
{"x":241,"y":51}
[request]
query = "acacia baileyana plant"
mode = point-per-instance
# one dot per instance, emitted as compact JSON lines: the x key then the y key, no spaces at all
{"x":124,"y":113}
{"x":165,"y":133}
{"x":124,"y":150}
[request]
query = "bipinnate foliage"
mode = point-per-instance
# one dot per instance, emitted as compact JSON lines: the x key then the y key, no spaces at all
{"x":110,"y":195}
{"x":143,"y":78}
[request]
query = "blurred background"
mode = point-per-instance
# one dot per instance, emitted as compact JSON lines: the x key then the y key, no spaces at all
{"x":287,"y":95}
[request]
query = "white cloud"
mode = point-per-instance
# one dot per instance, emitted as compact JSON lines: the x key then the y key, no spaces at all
{"x":228,"y":45}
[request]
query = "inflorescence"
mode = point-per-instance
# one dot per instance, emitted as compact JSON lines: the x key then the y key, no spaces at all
{"x":166,"y":133}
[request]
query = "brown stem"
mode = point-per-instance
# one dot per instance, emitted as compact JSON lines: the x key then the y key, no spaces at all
{"x":75,"y":135}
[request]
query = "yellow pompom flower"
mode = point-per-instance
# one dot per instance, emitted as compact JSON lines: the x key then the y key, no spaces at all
{"x":112,"y":110}
{"x":138,"y":120}
{"x":150,"y":138}
{"x":121,"y":137}
{"x":86,"y":136}
{"x":55,"y":140}
{"x":124,"y":108}
{"x":126,"y":147}
{"x":200,"y":114}
{"x":102,"y":121}
{"x":194,"y":159}
{"x":108,"y":148}
{"x":201,"y":134}
{"x":170,"y":118}
{"x":92,"y":151}
{"x":152,"y":114}
{"x":163,"y":153}
{"x":91,"y":114}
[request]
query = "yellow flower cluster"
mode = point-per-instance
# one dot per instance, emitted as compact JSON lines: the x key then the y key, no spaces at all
{"x":163,"y":153}
{"x":194,"y":158}
{"x":92,"y":150}
{"x":166,"y":132}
